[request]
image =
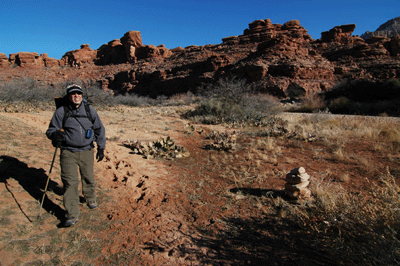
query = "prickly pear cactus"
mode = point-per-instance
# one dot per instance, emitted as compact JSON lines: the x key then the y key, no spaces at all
{"x":222,"y":141}
{"x":163,"y":147}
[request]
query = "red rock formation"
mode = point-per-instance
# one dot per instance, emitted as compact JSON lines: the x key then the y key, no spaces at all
{"x":4,"y":60}
{"x":151,"y":51}
{"x":280,"y":59}
{"x":26,"y":59}
{"x":339,"y":34}
{"x":79,"y":57}
{"x":131,"y":41}
{"x":111,"y":53}
{"x":47,"y":61}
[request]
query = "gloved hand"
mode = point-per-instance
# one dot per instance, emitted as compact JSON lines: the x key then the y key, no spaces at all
{"x":100,"y":154}
{"x":58,"y":137}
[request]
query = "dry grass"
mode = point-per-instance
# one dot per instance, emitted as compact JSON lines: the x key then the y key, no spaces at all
{"x":357,"y":225}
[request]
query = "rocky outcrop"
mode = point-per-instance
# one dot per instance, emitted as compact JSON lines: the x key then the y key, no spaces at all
{"x":279,"y":59}
{"x":4,"y":60}
{"x":111,"y":53}
{"x":387,"y":30}
{"x":48,"y":61}
{"x":129,"y":49}
{"x":341,"y":34}
{"x":26,"y":59}
{"x":131,"y":41}
{"x":264,"y":30}
{"x":282,"y":60}
{"x":79,"y":57}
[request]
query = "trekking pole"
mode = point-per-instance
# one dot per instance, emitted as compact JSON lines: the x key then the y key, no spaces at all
{"x":48,"y":179}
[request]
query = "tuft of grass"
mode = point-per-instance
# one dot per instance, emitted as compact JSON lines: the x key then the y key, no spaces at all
{"x":355,"y":223}
{"x":390,"y":134}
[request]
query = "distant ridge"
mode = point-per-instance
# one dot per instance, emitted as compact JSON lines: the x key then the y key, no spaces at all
{"x":389,"y":29}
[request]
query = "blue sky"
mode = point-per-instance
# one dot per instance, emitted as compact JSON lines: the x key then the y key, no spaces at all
{"x":56,"y":27}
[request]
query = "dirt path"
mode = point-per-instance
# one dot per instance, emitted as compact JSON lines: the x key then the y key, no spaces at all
{"x":135,"y":193}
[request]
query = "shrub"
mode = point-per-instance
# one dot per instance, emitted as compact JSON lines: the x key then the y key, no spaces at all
{"x":309,"y":104}
{"x":233,"y":101}
{"x":340,"y":105}
{"x":27,"y":90}
{"x":365,"y":97}
{"x":390,"y":134}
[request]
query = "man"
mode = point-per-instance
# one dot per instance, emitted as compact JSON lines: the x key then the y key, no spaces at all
{"x":74,"y":127}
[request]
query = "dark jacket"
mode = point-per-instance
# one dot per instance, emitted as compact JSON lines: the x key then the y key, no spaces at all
{"x":75,"y":132}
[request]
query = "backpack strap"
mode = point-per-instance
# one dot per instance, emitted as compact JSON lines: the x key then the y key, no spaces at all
{"x":88,"y":114}
{"x":67,"y":113}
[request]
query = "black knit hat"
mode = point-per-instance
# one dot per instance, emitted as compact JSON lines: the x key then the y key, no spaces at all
{"x":74,"y":88}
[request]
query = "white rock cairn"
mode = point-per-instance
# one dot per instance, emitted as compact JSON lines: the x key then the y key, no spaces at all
{"x":297,"y":181}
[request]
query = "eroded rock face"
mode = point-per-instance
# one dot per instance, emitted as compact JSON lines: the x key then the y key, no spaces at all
{"x":111,"y":53}
{"x":79,"y":57}
{"x":131,"y":41}
{"x":48,"y":61}
{"x":389,"y":29}
{"x":4,"y":60}
{"x":279,"y":59}
{"x":339,"y":34}
{"x":26,"y":59}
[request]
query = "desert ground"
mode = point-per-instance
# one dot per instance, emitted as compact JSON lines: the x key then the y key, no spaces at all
{"x":209,"y":208}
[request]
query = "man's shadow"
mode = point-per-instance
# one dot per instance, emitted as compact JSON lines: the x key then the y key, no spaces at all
{"x":33,"y":180}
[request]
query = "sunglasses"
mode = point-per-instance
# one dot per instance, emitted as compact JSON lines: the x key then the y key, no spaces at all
{"x":73,"y":93}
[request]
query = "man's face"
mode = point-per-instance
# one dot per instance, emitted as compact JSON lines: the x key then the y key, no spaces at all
{"x":76,"y":98}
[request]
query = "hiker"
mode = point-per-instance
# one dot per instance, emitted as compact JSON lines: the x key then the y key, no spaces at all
{"x":74,"y":128}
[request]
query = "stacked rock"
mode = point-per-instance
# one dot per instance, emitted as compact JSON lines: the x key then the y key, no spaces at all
{"x":296,"y":184}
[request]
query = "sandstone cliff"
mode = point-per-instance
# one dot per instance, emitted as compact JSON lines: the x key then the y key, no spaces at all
{"x":279,"y":59}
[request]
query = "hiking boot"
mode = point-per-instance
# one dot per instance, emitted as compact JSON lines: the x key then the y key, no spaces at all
{"x":70,"y":222}
{"x":92,"y":204}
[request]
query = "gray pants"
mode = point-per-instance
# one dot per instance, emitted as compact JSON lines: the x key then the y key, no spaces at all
{"x":70,"y":163}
